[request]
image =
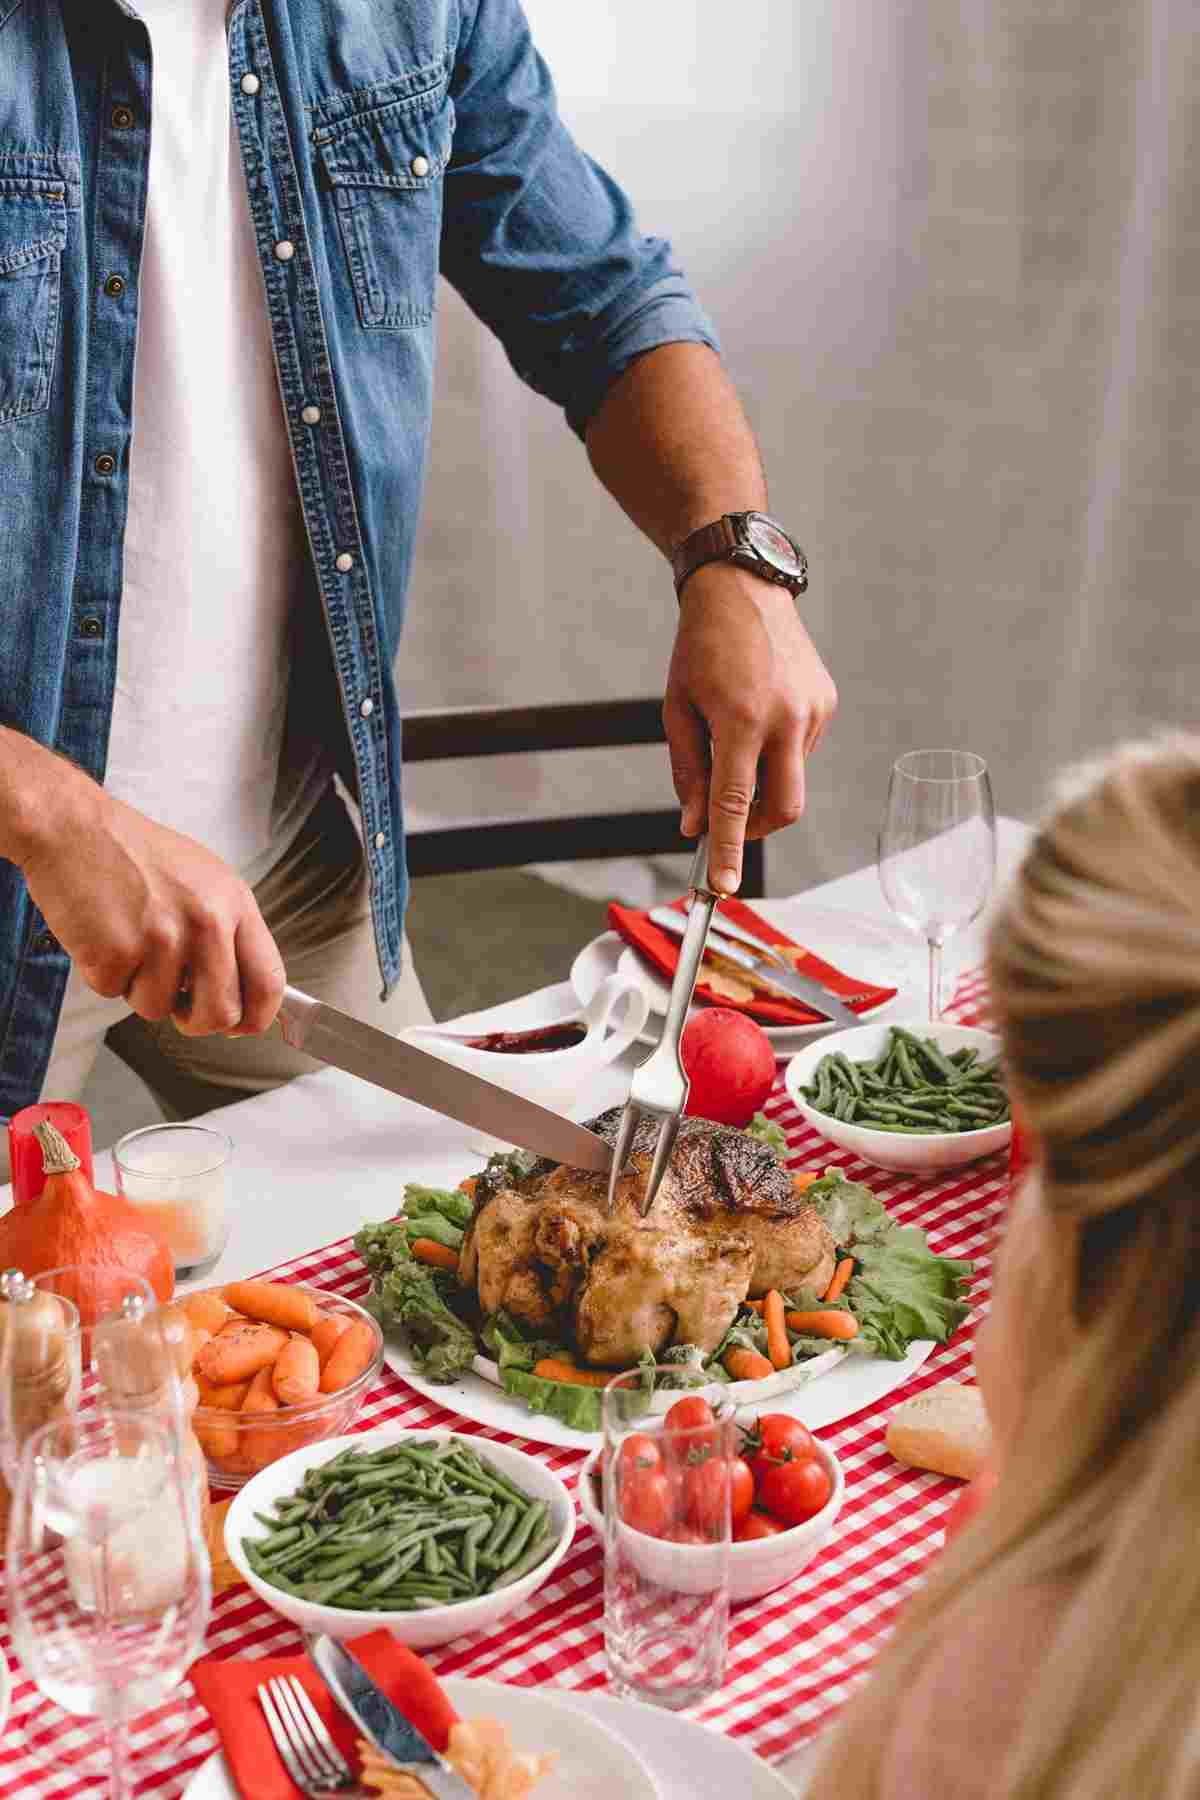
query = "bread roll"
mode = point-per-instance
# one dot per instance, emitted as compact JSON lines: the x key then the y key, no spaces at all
{"x":944,"y":1429}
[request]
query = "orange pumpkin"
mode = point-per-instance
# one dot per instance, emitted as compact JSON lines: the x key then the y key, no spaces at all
{"x":73,"y":1224}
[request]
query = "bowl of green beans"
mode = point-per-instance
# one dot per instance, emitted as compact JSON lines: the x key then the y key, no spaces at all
{"x":426,"y":1533}
{"x":914,"y":1097}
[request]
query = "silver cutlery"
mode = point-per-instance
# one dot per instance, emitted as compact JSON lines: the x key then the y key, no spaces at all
{"x":660,"y":1085}
{"x":346,"y":1043}
{"x":381,"y":1720}
{"x":306,"y":1750}
{"x":769,"y":968}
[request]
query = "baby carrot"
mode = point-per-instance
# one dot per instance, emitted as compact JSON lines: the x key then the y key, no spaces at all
{"x":297,"y":1372}
{"x":274,"y":1303}
{"x":437,"y":1256}
{"x":552,"y":1368}
{"x":778,"y":1348}
{"x":804,"y":1178}
{"x":218,"y":1441}
{"x":237,"y":1354}
{"x":755,"y":1306}
{"x":258,"y":1448}
{"x":747,"y":1365}
{"x":325,"y":1334}
{"x":840,"y":1325}
{"x":206,"y":1311}
{"x":226,"y":1398}
{"x":350,"y":1356}
{"x":841,"y":1276}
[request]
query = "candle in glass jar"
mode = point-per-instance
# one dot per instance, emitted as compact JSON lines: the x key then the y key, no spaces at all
{"x":177,"y":1176}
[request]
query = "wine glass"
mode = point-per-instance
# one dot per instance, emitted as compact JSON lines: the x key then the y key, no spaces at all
{"x":107,"y":1578}
{"x":937,"y":848}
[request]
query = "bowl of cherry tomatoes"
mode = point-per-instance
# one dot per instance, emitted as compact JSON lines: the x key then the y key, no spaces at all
{"x":785,"y":1491}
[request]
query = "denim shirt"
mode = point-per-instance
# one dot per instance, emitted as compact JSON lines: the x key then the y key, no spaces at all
{"x":383,"y":142}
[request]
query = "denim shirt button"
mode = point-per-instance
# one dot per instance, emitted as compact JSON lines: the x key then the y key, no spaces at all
{"x":345,"y":562}
{"x":90,"y":626}
{"x":122,"y":118}
{"x":285,"y":250}
{"x":311,"y":415}
{"x":114,"y":287}
{"x":420,"y":166}
{"x":105,"y":463}
{"x":380,"y":840}
{"x":367,"y":708}
{"x":250,"y":84}
{"x":45,"y":941}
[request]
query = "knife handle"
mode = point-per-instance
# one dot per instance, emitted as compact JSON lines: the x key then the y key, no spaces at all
{"x":295,"y":1011}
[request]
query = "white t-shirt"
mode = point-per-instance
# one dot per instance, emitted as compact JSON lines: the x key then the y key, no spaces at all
{"x":214,"y":545}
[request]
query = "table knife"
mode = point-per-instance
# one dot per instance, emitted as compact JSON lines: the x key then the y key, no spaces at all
{"x":344,"y":1043}
{"x":789,"y":981}
{"x":382,"y":1721}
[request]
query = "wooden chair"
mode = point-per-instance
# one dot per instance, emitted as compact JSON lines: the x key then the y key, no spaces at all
{"x":509,"y":843}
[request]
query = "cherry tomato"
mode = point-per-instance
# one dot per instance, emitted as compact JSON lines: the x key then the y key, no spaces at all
{"x":741,"y":1490}
{"x":780,"y":1439}
{"x":706,"y":1495}
{"x":793,"y":1491}
{"x":639,"y":1452}
{"x":756,"y":1524}
{"x":648,"y":1501}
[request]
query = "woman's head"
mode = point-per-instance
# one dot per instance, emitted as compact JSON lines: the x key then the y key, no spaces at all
{"x":1091,"y":1359}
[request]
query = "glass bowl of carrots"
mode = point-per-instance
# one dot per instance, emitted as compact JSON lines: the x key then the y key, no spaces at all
{"x":277,"y":1365}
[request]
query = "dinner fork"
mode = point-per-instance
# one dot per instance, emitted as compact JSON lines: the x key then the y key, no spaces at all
{"x":660,"y":1083}
{"x":307,"y":1751}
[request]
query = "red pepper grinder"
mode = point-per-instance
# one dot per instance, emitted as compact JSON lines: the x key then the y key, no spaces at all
{"x":25,"y":1153}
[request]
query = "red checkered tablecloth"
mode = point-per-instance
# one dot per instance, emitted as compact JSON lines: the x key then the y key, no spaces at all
{"x":795,"y":1656}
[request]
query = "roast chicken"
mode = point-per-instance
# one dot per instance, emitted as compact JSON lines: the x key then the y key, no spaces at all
{"x":727,"y":1224}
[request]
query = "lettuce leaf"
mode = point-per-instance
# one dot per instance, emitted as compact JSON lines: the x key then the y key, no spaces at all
{"x":900,"y":1290}
{"x":382,"y":1245}
{"x":769,"y":1133}
{"x":435,"y":1227}
{"x":408,"y":1296}
{"x":578,"y":1407}
{"x":450,"y":1203}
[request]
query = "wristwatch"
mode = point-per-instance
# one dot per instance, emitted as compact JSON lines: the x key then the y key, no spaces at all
{"x":751,"y":540}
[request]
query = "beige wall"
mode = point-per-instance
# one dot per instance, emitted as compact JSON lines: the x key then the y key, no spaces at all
{"x":954,"y":254}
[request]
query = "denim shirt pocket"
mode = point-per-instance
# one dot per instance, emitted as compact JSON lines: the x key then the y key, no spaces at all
{"x":383,"y":169}
{"x":33,"y":234}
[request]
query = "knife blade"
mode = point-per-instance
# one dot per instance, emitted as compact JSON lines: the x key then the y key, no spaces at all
{"x":344,"y":1043}
{"x":789,"y":981}
{"x":382,"y":1721}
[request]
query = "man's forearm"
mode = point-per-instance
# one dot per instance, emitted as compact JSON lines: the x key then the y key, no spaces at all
{"x":673,"y":446}
{"x":35,"y":786}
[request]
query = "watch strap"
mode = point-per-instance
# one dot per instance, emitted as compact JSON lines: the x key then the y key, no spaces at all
{"x":708,"y":544}
{"x":727,"y":540}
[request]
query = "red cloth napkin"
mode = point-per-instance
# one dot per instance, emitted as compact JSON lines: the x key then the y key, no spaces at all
{"x":662,"y":951}
{"x":228,"y":1688}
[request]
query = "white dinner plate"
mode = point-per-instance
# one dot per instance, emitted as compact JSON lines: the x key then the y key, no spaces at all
{"x":843,"y":1388}
{"x":660,"y":1753}
{"x":853,"y":942}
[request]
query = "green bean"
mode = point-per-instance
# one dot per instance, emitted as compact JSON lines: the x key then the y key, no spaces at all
{"x":532,"y":1523}
{"x":536,"y":1552}
{"x":851,"y":1074}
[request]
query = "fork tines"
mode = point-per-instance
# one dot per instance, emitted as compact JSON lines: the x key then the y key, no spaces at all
{"x":307,"y":1751}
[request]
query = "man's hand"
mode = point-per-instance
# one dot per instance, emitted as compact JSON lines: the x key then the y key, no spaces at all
{"x":744,"y":672}
{"x":147,"y":913}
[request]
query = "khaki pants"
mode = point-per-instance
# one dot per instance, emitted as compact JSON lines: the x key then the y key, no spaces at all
{"x":316,"y":906}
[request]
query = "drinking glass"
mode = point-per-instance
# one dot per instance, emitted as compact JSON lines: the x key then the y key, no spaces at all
{"x":107,"y":1578}
{"x":937,"y":848}
{"x":666,"y":1543}
{"x":179,"y":1177}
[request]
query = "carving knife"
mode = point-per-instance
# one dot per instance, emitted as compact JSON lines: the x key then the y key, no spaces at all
{"x":789,"y":981}
{"x":344,"y":1043}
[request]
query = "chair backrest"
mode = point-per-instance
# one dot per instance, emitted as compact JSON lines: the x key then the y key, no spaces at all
{"x":509,"y":843}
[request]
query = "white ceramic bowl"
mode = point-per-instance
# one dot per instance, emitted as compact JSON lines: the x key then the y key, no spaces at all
{"x":889,"y":1149}
{"x":611,"y":1022}
{"x":755,"y":1568}
{"x":436,"y":1624}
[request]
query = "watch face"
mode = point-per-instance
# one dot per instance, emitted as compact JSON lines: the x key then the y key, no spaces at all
{"x":776,"y":546}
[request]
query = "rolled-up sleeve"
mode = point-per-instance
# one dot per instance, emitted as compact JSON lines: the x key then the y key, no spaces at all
{"x":539,"y":240}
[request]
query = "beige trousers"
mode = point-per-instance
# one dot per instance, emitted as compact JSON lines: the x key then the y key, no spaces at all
{"x":316,"y":905}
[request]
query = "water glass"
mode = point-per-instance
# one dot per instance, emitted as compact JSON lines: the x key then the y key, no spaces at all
{"x":666,"y":1542}
{"x":937,"y":848}
{"x":107,"y":1577}
{"x":178,"y":1177}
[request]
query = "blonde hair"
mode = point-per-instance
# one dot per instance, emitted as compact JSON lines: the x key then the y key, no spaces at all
{"x":1095,"y":981}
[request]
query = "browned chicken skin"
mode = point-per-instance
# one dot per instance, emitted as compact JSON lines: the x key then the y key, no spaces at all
{"x":726,"y":1225}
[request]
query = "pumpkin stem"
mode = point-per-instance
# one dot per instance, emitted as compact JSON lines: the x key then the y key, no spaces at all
{"x":58,"y":1158}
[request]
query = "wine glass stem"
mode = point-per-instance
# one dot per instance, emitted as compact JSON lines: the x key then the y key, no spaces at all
{"x":120,"y":1772}
{"x":935,"y":979}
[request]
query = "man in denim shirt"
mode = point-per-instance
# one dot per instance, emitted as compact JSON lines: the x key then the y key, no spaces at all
{"x":264,"y":262}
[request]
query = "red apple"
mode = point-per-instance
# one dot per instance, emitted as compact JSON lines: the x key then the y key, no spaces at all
{"x":730,"y":1064}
